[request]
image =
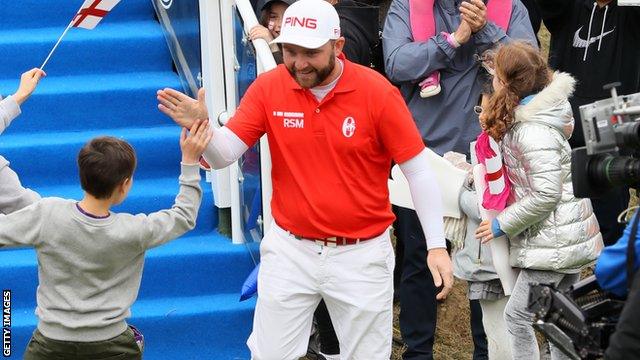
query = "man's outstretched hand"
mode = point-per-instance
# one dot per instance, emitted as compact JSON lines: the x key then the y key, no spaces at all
{"x":183,"y":109}
{"x":439,"y":263}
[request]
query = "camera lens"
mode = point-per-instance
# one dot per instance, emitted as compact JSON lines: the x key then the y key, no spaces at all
{"x":628,"y":135}
{"x":607,"y":170}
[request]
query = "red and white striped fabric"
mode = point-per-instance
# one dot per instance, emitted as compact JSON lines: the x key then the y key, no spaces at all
{"x":498,"y":186}
{"x":91,"y":12}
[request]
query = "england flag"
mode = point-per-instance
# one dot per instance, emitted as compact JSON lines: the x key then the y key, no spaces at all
{"x":91,"y":12}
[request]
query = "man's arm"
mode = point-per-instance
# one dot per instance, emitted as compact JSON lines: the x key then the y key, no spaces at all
{"x":224,"y":149}
{"x":408,"y":60}
{"x":399,"y":135}
{"x":427,"y":201}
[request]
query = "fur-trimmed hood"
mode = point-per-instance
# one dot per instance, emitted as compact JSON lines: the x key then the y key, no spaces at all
{"x":551,"y":105}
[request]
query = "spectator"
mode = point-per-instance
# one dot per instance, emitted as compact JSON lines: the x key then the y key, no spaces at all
{"x":534,"y":16}
{"x":617,"y":272}
{"x":447,"y":122}
{"x":597,"y":43}
{"x":552,"y":235}
{"x":271,"y":12}
{"x":360,"y":29}
{"x":90,"y":259}
{"x":333,"y":128}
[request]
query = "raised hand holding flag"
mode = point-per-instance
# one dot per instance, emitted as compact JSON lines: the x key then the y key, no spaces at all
{"x":88,"y":17}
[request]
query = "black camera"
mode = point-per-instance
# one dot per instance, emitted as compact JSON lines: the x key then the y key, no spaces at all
{"x":580,"y":321}
{"x":612,"y":135}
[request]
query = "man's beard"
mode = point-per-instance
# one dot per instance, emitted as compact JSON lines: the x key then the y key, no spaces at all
{"x":320,"y":74}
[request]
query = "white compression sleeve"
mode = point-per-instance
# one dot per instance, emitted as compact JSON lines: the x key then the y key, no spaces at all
{"x":426,"y":197}
{"x":224,"y":148}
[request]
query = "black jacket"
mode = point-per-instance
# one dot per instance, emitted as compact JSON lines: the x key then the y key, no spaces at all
{"x":616,"y":29}
{"x":624,"y":344}
{"x":359,"y":25}
{"x":608,"y":52}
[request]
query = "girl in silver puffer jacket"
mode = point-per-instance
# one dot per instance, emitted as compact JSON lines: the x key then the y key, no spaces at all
{"x":552,"y":234}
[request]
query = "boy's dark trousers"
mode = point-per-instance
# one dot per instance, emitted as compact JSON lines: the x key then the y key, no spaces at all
{"x":121,"y":347}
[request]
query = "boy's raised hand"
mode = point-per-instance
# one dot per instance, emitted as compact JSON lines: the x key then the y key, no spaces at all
{"x":28,"y":82}
{"x":195,"y":141}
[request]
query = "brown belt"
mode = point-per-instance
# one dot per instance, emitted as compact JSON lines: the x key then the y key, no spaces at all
{"x":334,"y":240}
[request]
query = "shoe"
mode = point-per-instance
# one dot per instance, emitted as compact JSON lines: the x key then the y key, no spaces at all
{"x":330,"y":357}
{"x":431,"y":85}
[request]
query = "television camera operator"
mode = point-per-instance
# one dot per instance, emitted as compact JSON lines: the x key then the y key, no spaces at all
{"x":616,"y":272}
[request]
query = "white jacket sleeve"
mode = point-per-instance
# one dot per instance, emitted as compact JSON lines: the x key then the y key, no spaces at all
{"x":224,"y":148}
{"x":426,"y":197}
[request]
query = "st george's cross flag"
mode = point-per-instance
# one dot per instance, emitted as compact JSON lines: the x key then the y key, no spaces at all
{"x":88,"y":17}
{"x":91,"y":12}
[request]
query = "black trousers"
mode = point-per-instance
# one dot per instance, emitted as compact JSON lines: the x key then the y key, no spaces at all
{"x":417,"y":293}
{"x":625,"y":342}
{"x":329,"y":344}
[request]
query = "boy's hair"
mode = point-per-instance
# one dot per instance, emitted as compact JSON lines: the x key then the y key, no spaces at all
{"x":104,"y":163}
{"x":525,"y":72}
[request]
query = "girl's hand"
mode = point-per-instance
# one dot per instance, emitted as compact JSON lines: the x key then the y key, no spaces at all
{"x":484,"y":232}
{"x":260,"y":32}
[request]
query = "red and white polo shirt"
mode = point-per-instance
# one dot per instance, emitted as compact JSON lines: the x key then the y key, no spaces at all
{"x":331,"y":159}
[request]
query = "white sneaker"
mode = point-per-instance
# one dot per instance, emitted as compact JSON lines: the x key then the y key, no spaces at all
{"x":330,"y":357}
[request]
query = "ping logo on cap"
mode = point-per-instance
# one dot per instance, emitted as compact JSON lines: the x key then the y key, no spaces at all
{"x":294,"y":21}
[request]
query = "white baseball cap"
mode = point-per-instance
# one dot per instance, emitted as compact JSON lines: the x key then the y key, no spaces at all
{"x":309,"y":23}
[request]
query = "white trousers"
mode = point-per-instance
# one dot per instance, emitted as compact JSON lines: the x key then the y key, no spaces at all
{"x":496,"y":328}
{"x":355,"y":281}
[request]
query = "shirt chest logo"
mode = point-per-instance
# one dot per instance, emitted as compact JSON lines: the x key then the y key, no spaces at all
{"x":579,"y":42}
{"x":290,"y":119}
{"x":348,"y":127}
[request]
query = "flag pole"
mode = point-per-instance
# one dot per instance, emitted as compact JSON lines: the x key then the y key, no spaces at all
{"x":56,"y":45}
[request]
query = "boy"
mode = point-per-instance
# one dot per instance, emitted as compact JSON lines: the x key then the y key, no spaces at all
{"x":90,"y":259}
{"x":13,"y":196}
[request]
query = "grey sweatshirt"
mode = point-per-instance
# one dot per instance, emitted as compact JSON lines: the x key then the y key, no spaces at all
{"x":89,"y":269}
{"x":446,"y":121}
{"x":13,"y":196}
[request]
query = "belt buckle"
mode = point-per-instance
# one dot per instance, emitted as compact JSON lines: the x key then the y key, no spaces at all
{"x":330,"y":241}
